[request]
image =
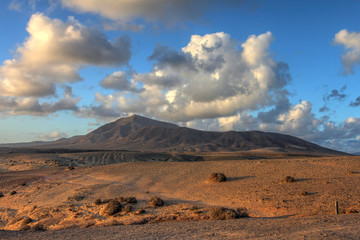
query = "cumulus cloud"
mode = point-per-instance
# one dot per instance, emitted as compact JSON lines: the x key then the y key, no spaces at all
{"x":119,"y":81}
{"x":155,"y":10}
{"x":51,"y":136}
{"x":53,"y":53}
{"x":210,"y":77}
{"x":351,"y":42}
{"x":32,"y":106}
{"x":355,"y":103}
{"x":298,"y":121}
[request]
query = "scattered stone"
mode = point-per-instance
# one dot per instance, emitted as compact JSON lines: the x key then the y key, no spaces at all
{"x":13,"y":192}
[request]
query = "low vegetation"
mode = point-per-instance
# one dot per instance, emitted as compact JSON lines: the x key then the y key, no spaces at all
{"x":221,"y":213}
{"x":217,"y":177}
{"x":112,"y":208}
{"x":288,"y":179}
{"x":156,"y":202}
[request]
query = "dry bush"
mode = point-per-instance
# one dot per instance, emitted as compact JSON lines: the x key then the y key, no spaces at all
{"x":127,"y":200}
{"x":97,"y":201}
{"x":112,"y":208}
{"x":107,"y":200}
{"x":304,"y":193}
{"x":227,"y":214}
{"x":217,"y":177}
{"x":288,"y":179}
{"x":127,"y":208}
{"x":351,"y":211}
{"x":38,"y":227}
{"x":156,"y":202}
{"x":76,"y":198}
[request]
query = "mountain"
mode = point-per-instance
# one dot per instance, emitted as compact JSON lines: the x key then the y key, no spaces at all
{"x":144,"y":134}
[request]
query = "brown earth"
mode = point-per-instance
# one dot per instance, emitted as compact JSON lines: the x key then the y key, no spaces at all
{"x":56,"y":197}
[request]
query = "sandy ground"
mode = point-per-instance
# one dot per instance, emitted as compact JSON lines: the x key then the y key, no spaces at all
{"x":316,"y":227}
{"x":56,"y":198}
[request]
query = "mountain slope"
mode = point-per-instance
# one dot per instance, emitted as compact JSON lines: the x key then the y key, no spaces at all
{"x":144,"y":134}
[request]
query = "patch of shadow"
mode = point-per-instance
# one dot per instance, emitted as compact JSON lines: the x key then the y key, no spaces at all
{"x":301,"y":179}
{"x":280,"y":217}
{"x":238,"y":178}
{"x":312,"y":193}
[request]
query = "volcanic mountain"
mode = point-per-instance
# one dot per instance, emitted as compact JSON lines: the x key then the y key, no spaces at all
{"x":144,"y":134}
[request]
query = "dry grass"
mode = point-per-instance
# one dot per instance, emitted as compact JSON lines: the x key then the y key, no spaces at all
{"x":112,"y":208}
{"x":156,"y":202}
{"x":217,"y":177}
{"x":221,"y":213}
{"x":288,"y":179}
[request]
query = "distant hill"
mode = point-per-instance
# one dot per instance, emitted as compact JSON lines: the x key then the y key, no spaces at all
{"x":144,"y":134}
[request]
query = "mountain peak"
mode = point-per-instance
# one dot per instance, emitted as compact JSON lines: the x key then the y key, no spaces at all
{"x":141,"y":121}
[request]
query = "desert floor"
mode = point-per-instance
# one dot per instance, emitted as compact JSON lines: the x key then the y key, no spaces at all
{"x":41,"y":194}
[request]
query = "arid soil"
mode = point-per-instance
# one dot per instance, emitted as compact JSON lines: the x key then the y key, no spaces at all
{"x":55,"y":197}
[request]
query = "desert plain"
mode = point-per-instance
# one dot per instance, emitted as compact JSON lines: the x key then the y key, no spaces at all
{"x":65,"y":195}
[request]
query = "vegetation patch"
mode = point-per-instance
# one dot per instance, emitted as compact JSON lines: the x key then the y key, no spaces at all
{"x":221,"y":213}
{"x":156,"y":202}
{"x":217,"y":177}
{"x":112,"y":208}
{"x":288,"y":179}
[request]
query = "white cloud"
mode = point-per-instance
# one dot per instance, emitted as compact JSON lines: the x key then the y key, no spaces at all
{"x":169,"y":12}
{"x":51,"y":136}
{"x":119,"y":81}
{"x":298,"y":121}
{"x":351,"y":42}
{"x":15,"y":5}
{"x":209,"y":78}
{"x":32,"y":106}
{"x":53,"y":53}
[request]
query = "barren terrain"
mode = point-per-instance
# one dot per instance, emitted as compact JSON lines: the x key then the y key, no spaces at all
{"x":40,"y":194}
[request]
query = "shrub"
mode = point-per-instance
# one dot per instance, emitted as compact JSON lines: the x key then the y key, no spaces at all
{"x":1,"y":194}
{"x":13,"y":192}
{"x":288,"y":179}
{"x":112,"y":208}
{"x":127,"y":208}
{"x":38,"y":227}
{"x":221,"y":213}
{"x":304,"y":193}
{"x":156,"y":202}
{"x":127,"y":200}
{"x":97,"y":201}
{"x":217,"y":177}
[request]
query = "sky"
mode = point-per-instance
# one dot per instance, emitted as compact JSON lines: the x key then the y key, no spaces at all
{"x":292,"y":67}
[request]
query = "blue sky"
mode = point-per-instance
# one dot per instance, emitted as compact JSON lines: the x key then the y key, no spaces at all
{"x":281,"y":66}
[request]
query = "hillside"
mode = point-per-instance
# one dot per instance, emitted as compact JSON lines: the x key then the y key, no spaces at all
{"x":144,"y":134}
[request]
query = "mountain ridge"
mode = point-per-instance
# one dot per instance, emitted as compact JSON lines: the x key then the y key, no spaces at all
{"x":144,"y":134}
{"x":138,"y":133}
